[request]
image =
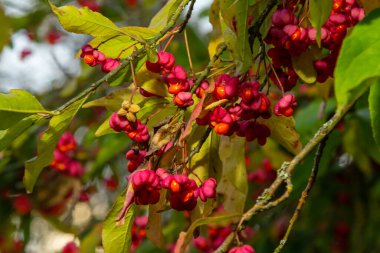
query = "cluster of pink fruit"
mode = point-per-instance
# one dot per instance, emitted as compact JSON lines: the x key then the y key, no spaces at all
{"x":175,"y":77}
{"x":93,"y":57}
{"x":290,"y":38}
{"x":183,"y":192}
{"x":246,"y":102}
{"x":64,"y":156}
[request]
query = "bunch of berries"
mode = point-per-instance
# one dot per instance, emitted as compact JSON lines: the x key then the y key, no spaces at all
{"x":125,"y":121}
{"x":92,"y":56}
{"x":183,"y":191}
{"x":175,"y":77}
{"x":247,"y":104}
{"x":290,"y":38}
{"x":64,"y":156}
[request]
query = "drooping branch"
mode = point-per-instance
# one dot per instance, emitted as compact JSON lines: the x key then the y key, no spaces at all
{"x":304,"y":195}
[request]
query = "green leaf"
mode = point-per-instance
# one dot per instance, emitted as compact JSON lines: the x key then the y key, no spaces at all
{"x":233,"y":183}
{"x":218,"y":218}
{"x":12,"y":119}
{"x":20,"y":101}
{"x":358,"y":60}
{"x":151,"y":82}
{"x":304,"y":66}
{"x":235,"y":16}
{"x":319,"y":13}
{"x":9,"y":135}
{"x":6,"y":29}
{"x":89,"y":243}
{"x":112,"y":46}
{"x":104,"y":128}
{"x":374,"y":108}
{"x":118,"y":237}
{"x":47,"y":143}
{"x":161,"y":19}
{"x":206,"y":163}
{"x":111,"y":101}
{"x":284,"y":132}
{"x":86,"y":21}
{"x":150,"y":106}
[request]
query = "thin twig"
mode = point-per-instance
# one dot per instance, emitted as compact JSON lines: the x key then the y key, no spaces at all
{"x":225,"y":245}
{"x":305,"y":194}
{"x":188,"y":53}
{"x":254,"y":31}
{"x":188,"y":16}
{"x":196,"y":149}
{"x":220,"y":49}
{"x":288,"y":167}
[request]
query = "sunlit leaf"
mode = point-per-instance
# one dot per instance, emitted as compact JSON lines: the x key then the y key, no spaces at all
{"x":151,"y":105}
{"x":161,"y":19}
{"x":235,"y":17}
{"x":233,"y":183}
{"x":86,"y":21}
{"x":91,"y":240}
{"x":151,"y":82}
{"x":20,"y":101}
{"x":117,"y":237}
{"x":111,"y":101}
{"x":358,"y":60}
{"x":46,"y":145}
{"x":284,"y":132}
{"x":304,"y":66}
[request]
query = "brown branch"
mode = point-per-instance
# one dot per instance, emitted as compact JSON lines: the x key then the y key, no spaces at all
{"x":197,"y":148}
{"x":305,"y":194}
{"x":188,"y":16}
{"x":254,"y":31}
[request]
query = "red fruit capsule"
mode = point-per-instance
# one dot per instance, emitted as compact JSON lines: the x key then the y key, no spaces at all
{"x":89,"y":59}
{"x":222,"y":128}
{"x":175,"y":89}
{"x":174,"y":186}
